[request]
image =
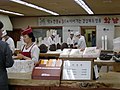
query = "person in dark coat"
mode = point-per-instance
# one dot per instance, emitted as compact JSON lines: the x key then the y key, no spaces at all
{"x":6,"y":61}
{"x":93,"y":39}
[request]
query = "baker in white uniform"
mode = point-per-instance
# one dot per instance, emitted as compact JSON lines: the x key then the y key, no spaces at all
{"x":51,"y":39}
{"x":81,"y":44}
{"x":9,"y":40}
{"x":71,"y":39}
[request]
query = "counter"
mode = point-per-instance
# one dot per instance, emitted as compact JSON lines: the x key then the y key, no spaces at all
{"x":111,"y":62}
{"x":106,"y":80}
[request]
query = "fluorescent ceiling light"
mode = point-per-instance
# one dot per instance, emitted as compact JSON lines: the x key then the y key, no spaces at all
{"x":9,"y":12}
{"x":84,"y":6}
{"x":34,"y":6}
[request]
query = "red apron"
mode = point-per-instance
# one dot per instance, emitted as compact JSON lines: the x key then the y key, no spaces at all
{"x":27,"y":54}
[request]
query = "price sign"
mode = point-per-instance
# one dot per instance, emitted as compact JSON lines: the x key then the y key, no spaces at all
{"x":77,"y":70}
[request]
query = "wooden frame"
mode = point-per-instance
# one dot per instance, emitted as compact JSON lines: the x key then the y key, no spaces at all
{"x":78,"y":60}
{"x":49,"y":56}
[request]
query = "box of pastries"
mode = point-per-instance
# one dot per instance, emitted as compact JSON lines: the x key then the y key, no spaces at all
{"x":47,"y":69}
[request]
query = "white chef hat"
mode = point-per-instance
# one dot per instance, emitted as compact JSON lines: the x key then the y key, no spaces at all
{"x":77,"y":33}
{"x":4,"y":33}
{"x":54,"y":34}
{"x":71,"y":33}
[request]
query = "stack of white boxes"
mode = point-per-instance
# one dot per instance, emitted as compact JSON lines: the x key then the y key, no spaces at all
{"x":91,"y":52}
{"x":76,"y":53}
{"x":21,"y":69}
{"x":65,"y":53}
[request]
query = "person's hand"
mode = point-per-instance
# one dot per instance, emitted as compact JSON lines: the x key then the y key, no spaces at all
{"x":20,"y":56}
{"x":74,"y":46}
{"x":82,"y":49}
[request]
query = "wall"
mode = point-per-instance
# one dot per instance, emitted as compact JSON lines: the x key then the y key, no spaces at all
{"x":102,"y":32}
{"x":117,"y":32}
{"x":23,"y":22}
{"x":73,"y":23}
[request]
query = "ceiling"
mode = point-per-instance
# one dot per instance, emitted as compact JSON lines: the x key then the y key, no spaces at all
{"x":63,"y":7}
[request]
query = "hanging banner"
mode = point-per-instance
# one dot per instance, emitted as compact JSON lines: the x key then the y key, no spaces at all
{"x":78,"y":20}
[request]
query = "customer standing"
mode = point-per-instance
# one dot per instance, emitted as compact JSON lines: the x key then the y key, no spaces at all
{"x":5,"y":61}
{"x":93,"y":39}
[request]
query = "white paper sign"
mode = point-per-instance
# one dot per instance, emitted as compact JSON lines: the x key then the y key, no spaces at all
{"x":76,"y":70}
{"x":96,"y":72}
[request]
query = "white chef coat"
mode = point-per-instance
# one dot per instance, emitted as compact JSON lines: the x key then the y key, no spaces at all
{"x":10,"y":43}
{"x":81,"y":42}
{"x":50,"y":41}
{"x":35,"y":51}
{"x":70,"y":41}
